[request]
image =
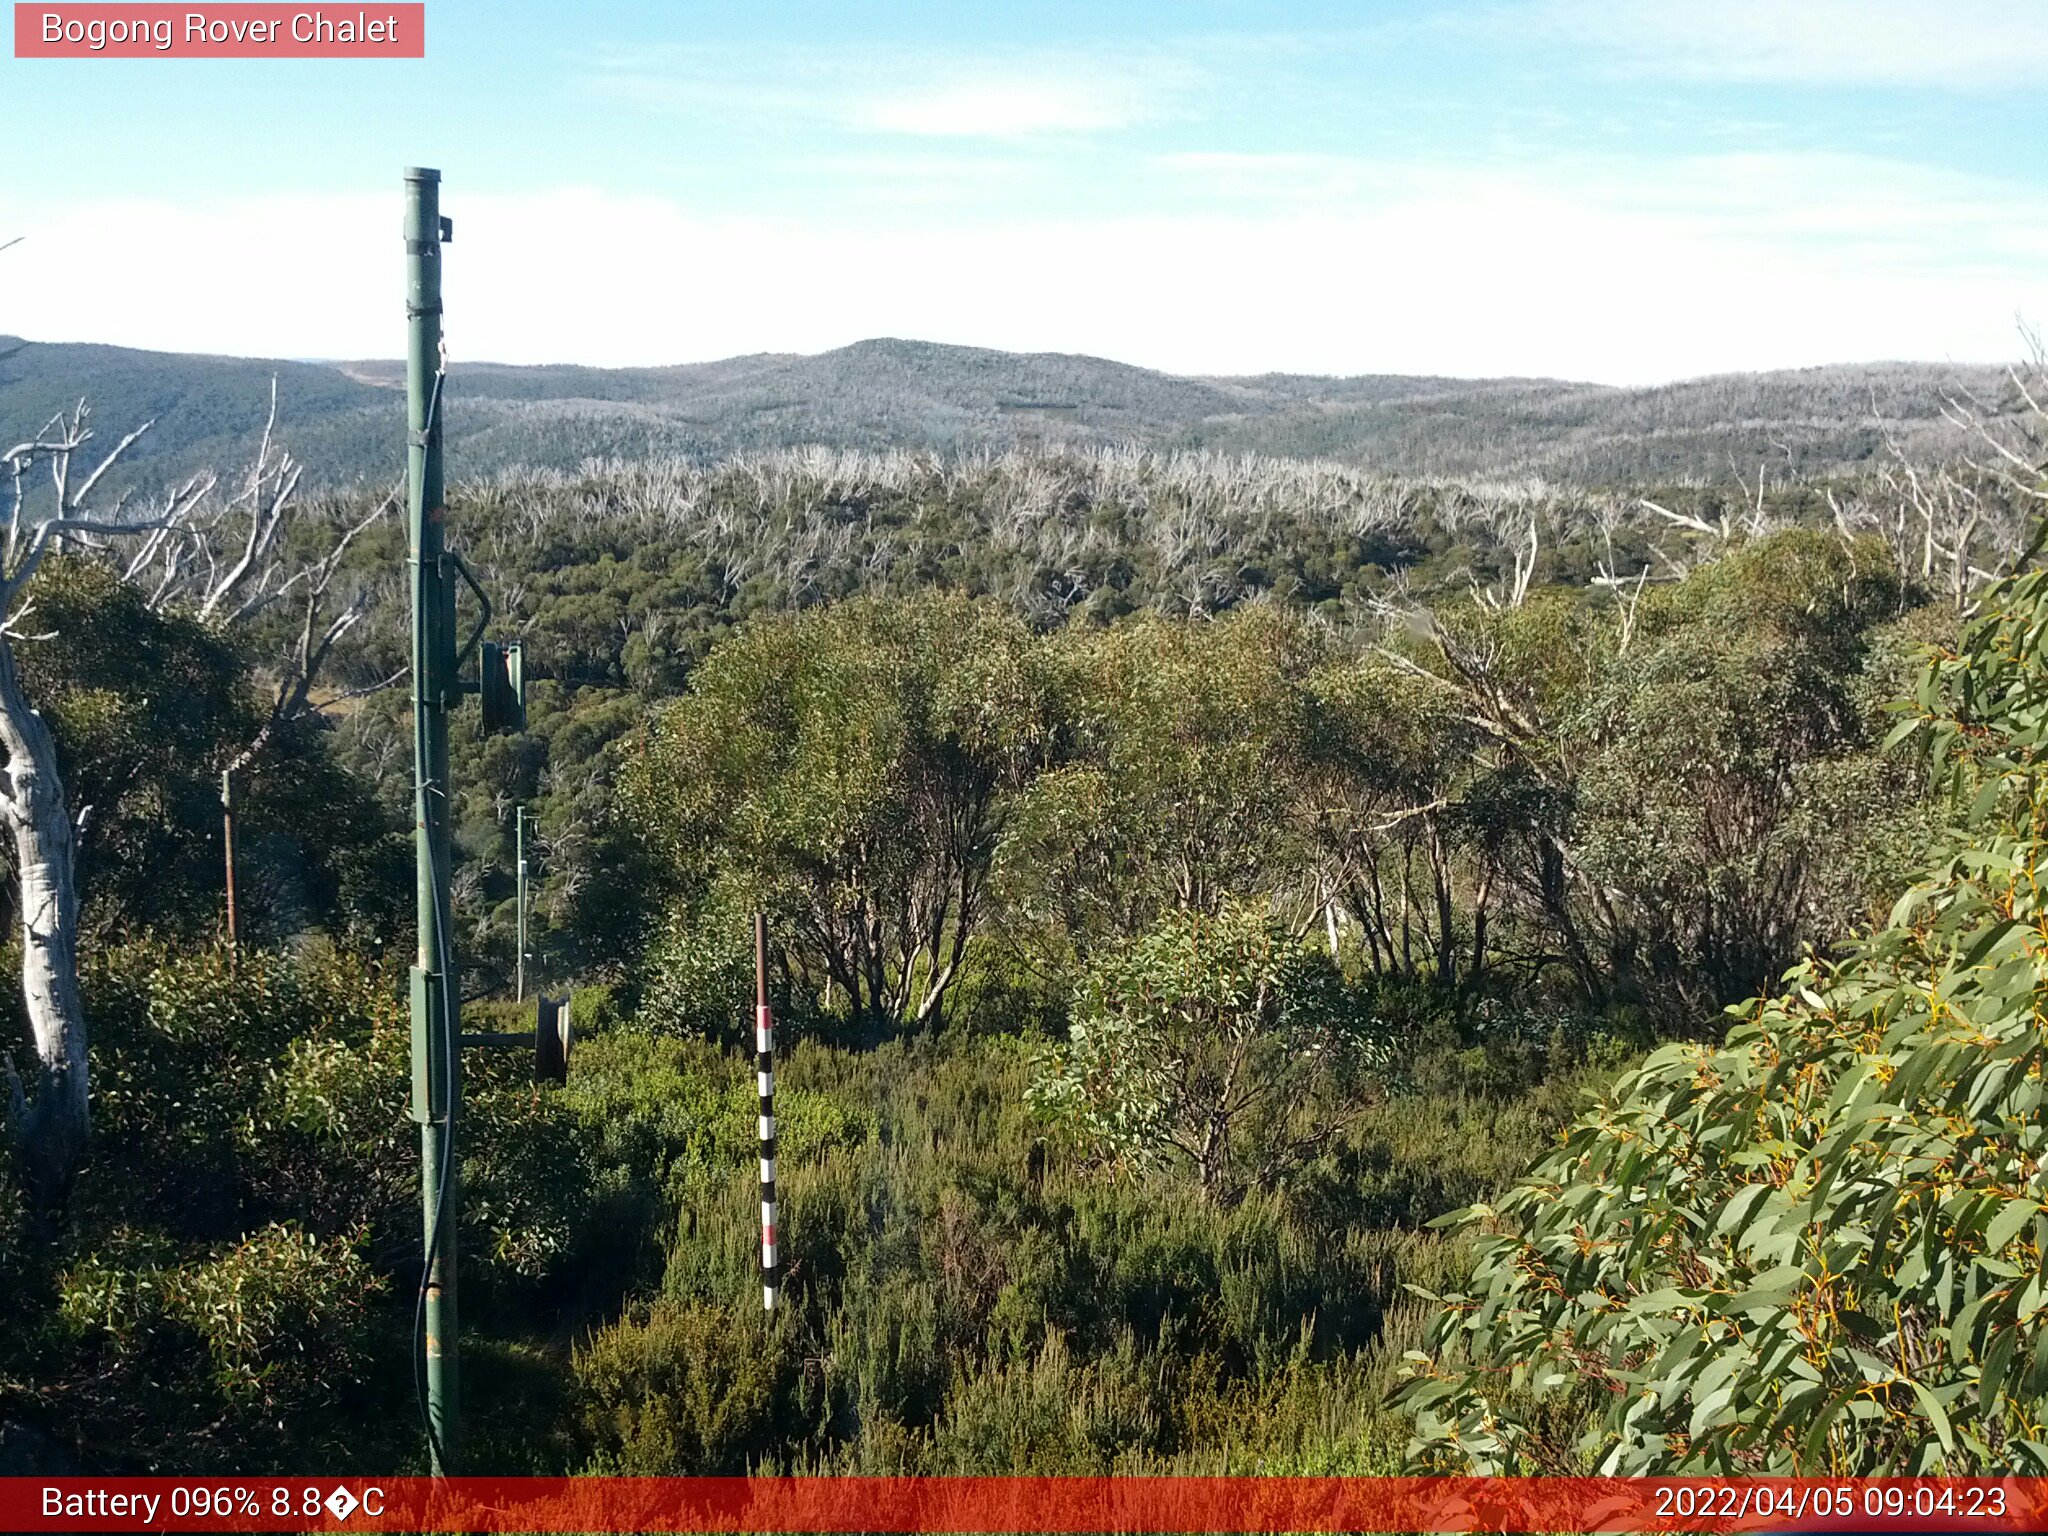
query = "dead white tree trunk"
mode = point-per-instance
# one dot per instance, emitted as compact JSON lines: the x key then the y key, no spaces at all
{"x":185,"y":549}
{"x":50,"y":1119}
{"x":51,"y":1125}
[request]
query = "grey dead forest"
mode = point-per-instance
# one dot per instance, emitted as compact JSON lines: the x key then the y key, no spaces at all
{"x":948,"y":399}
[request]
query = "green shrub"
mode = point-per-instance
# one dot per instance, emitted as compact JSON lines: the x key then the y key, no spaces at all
{"x":697,"y":1389}
{"x":698,"y":978}
{"x":1209,"y":1043}
{"x":282,"y":1313}
{"x":1817,"y":1247}
{"x":593,"y":1009}
{"x":670,"y":1106}
{"x":246,"y":1230}
{"x":966,"y":1299}
{"x":273,"y":1331}
{"x":236,"y":1088}
{"x":527,"y":1177}
{"x":1052,"y":1416}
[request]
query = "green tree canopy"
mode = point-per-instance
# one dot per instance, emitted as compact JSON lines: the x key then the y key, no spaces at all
{"x":147,"y":707}
{"x":1187,"y":740}
{"x":1203,"y":1044}
{"x":1818,"y":1247}
{"x":850,"y":770}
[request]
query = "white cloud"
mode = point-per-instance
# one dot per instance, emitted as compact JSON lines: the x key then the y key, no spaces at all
{"x":1952,"y":44}
{"x":916,"y":92}
{"x":1000,"y":108}
{"x":1824,"y":204}
{"x":1634,"y":275}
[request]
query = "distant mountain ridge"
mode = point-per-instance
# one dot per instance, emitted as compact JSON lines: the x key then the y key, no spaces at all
{"x":344,"y":420}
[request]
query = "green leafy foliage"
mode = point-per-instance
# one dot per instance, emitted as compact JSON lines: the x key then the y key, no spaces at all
{"x":147,"y":708}
{"x":1456,"y":841}
{"x":217,"y":1291}
{"x":1726,"y":797}
{"x":231,"y":1285}
{"x":1184,"y":749}
{"x":962,"y":1297}
{"x":847,"y":770}
{"x":1816,"y":1247}
{"x":1170,"y":922}
{"x":281,"y":1315}
{"x":1221,"y":1042}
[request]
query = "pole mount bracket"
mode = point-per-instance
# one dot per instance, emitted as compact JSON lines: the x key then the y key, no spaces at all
{"x":483,"y":598}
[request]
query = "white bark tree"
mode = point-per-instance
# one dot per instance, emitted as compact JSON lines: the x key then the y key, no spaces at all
{"x":223,"y":558}
{"x":50,"y":1124}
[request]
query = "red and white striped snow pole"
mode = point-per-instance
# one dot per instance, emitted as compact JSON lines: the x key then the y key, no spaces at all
{"x":764,"y":1071}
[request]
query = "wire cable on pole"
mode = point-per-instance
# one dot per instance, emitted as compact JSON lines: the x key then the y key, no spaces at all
{"x":451,"y":1036}
{"x":451,"y":1044}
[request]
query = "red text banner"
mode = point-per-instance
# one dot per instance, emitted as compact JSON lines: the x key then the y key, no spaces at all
{"x":238,"y":31}
{"x":1051,"y":1504}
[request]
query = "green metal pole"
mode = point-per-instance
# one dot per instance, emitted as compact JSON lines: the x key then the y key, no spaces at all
{"x":437,"y":1088}
{"x":520,"y":969}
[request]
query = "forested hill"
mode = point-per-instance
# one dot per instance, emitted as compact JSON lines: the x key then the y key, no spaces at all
{"x":342,"y":418}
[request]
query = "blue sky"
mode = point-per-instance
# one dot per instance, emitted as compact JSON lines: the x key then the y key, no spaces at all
{"x":1597,"y":189}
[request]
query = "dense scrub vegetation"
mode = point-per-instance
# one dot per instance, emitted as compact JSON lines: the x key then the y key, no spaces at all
{"x":621,"y":578}
{"x":1189,"y":880}
{"x":1816,"y":1246}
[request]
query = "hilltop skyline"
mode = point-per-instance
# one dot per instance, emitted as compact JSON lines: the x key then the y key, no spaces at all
{"x":1576,"y":189}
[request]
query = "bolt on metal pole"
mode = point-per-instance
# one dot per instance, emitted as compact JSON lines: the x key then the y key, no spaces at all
{"x":436,"y":1062}
{"x":519,"y":969}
